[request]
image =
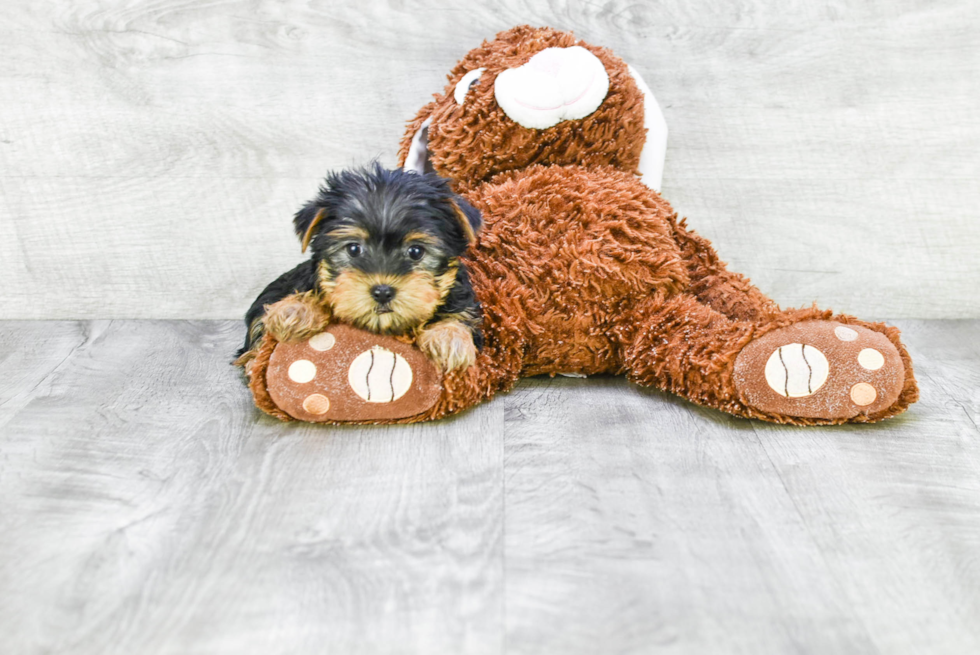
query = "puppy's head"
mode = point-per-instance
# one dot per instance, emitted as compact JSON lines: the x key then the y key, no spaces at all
{"x":387,"y":244}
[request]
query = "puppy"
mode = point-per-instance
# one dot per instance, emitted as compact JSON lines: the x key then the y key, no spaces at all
{"x":385,"y":248}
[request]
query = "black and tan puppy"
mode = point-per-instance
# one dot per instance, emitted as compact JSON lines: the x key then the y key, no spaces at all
{"x":385,"y":250}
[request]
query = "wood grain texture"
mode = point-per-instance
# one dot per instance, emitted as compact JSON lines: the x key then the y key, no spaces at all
{"x":637,"y":523}
{"x":151,"y":154}
{"x":149,"y":508}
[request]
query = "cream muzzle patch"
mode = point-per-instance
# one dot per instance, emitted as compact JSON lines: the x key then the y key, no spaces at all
{"x":557,"y":84}
{"x":651,"y":167}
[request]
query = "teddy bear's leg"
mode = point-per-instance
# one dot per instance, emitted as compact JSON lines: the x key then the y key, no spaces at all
{"x":798,"y":366}
{"x":729,"y":293}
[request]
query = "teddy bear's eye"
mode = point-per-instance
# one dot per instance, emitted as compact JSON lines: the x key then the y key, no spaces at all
{"x":466,"y":83}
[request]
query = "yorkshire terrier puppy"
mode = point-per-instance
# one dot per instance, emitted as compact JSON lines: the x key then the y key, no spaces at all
{"x":385,"y":248}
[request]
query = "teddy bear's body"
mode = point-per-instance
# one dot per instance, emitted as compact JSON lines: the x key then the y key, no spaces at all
{"x":569,"y":278}
{"x":581,"y":268}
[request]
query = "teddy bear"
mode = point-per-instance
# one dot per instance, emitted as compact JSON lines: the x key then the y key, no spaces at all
{"x":583,"y":268}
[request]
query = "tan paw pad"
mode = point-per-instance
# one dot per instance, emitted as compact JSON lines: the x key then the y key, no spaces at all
{"x":863,"y":394}
{"x":316,"y":403}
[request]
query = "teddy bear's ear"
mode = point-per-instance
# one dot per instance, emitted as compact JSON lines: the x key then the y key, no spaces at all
{"x":655,"y":147}
{"x":469,"y":218}
{"x":306,"y":222}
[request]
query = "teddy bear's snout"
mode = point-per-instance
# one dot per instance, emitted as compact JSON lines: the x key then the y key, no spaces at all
{"x":557,"y":84}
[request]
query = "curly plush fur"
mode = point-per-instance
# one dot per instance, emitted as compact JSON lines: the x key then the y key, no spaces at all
{"x":580,"y":268}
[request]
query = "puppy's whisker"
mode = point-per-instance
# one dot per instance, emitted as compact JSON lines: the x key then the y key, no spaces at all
{"x":416,"y":298}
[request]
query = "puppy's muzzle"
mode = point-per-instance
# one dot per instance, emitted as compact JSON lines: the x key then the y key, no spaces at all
{"x":383,"y":295}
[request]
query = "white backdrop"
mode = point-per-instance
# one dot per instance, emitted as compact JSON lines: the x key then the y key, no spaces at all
{"x":152,"y":153}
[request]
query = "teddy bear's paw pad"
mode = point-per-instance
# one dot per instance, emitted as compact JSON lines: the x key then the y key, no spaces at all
{"x":346,"y":374}
{"x":820,"y":369}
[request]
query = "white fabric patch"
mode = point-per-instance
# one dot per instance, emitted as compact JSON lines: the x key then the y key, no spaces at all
{"x":795,"y":370}
{"x":418,"y":152}
{"x":871,"y":359}
{"x":845,"y":333}
{"x":301,"y":371}
{"x":323,"y":341}
{"x":556,"y":85}
{"x":379,"y":375}
{"x":654,"y":152}
{"x":464,"y":85}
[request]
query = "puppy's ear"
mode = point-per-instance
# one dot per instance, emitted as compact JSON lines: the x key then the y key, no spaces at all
{"x":306,"y":222}
{"x":469,"y":218}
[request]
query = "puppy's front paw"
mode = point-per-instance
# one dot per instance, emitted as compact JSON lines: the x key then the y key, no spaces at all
{"x":449,"y":344}
{"x":294,"y":318}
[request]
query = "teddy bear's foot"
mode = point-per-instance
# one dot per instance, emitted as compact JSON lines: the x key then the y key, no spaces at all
{"x":346,"y":374}
{"x":822,"y":370}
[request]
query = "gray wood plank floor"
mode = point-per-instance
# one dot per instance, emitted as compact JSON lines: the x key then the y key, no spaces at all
{"x":149,"y":508}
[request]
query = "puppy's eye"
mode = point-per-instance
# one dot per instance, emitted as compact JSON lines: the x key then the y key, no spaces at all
{"x":416,"y":252}
{"x":354,"y":249}
{"x":464,"y":85}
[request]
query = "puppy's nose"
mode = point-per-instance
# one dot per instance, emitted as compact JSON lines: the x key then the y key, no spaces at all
{"x":382,"y":293}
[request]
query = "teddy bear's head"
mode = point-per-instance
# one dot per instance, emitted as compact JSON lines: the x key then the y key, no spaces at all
{"x":537,"y":96}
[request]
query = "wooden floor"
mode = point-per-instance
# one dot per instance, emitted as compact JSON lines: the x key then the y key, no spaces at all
{"x":149,"y":508}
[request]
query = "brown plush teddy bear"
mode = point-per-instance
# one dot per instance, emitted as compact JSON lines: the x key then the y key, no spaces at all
{"x":583,"y":268}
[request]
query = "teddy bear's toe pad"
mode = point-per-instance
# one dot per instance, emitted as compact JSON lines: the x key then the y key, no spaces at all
{"x":820,"y":369}
{"x":346,"y":374}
